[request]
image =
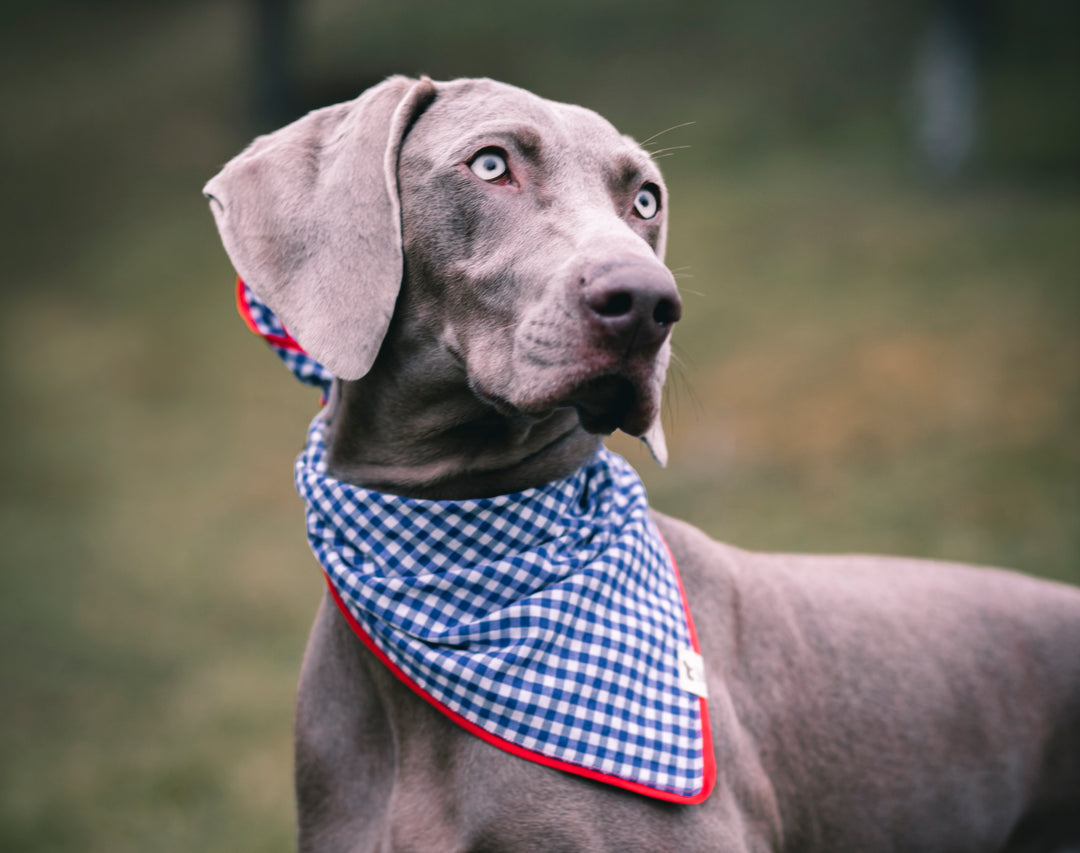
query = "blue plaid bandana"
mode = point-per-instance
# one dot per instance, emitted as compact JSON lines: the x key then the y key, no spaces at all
{"x":551,"y":622}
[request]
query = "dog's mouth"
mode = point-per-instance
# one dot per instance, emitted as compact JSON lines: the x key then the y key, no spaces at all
{"x":604,"y":403}
{"x":610,"y":389}
{"x":614,"y":401}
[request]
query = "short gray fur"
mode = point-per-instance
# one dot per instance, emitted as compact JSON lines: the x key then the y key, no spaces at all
{"x":857,"y":703}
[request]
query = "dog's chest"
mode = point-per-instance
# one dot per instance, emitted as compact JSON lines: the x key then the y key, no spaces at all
{"x":549,"y":623}
{"x":447,"y":790}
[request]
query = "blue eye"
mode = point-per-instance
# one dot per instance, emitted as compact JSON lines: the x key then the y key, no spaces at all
{"x":646,"y":203}
{"x":489,"y":165}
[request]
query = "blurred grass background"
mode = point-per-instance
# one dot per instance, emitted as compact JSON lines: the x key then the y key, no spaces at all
{"x":877,"y":355}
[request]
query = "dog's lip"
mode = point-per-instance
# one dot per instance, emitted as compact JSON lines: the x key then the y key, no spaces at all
{"x":604,"y":400}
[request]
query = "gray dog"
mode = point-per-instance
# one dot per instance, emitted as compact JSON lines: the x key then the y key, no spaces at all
{"x":481,"y":271}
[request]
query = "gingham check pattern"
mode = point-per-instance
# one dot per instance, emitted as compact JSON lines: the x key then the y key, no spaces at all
{"x":551,"y":618}
{"x":302,"y":365}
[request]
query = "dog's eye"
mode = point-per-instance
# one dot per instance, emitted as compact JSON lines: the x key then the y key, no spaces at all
{"x":646,"y":202}
{"x":489,"y":165}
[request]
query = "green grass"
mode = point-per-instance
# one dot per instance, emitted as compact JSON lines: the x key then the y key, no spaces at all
{"x":867,"y":363}
{"x":873,"y":365}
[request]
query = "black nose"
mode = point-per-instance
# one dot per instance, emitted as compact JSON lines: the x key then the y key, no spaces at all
{"x":635,"y":305}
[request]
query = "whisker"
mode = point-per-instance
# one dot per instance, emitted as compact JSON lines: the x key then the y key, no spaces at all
{"x":662,"y":132}
{"x":680,"y":384}
{"x":659,"y":151}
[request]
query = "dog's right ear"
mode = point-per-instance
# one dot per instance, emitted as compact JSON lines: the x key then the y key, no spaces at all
{"x":311,"y":220}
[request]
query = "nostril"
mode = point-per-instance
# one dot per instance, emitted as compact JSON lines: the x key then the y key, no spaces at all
{"x":666,"y":312}
{"x":612,"y":304}
{"x":632,"y":304}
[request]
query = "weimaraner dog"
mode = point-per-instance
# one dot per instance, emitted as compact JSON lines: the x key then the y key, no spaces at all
{"x":481,"y":270}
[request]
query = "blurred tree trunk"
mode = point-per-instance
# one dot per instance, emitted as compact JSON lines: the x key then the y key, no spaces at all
{"x":946,"y":88}
{"x":274,"y":85}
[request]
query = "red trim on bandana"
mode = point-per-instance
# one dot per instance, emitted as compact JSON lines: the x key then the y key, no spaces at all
{"x":285,"y":341}
{"x":709,"y":770}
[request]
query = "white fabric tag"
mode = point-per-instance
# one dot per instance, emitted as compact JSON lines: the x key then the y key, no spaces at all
{"x":692,"y":673}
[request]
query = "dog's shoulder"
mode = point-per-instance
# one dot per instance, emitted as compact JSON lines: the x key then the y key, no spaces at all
{"x":832,"y":609}
{"x":887,"y":583}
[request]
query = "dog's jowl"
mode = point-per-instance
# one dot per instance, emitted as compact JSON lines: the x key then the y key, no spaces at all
{"x":514,"y":652}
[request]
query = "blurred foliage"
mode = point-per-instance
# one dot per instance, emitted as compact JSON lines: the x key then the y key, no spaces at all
{"x":871,"y":360}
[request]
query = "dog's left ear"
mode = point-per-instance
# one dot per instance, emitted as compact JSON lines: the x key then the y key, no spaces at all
{"x":654,"y":438}
{"x":656,"y":442}
{"x":661,"y":240}
{"x":311,"y":220}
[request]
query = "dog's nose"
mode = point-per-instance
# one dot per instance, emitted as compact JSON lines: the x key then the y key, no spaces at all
{"x":635,"y":305}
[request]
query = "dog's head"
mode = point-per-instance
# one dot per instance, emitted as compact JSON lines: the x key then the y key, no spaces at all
{"x":520,"y":238}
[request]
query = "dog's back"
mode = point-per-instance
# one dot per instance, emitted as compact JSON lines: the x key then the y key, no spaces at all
{"x":898,"y":704}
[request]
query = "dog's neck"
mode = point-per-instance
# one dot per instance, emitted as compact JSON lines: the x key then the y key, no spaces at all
{"x":407,"y":433}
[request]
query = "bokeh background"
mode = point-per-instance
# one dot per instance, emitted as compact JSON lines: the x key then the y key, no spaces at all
{"x":875,"y":223}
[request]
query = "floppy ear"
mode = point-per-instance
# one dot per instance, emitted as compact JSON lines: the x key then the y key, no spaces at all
{"x":654,"y":438}
{"x":661,"y":242}
{"x":656,"y":442}
{"x":311,"y":220}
